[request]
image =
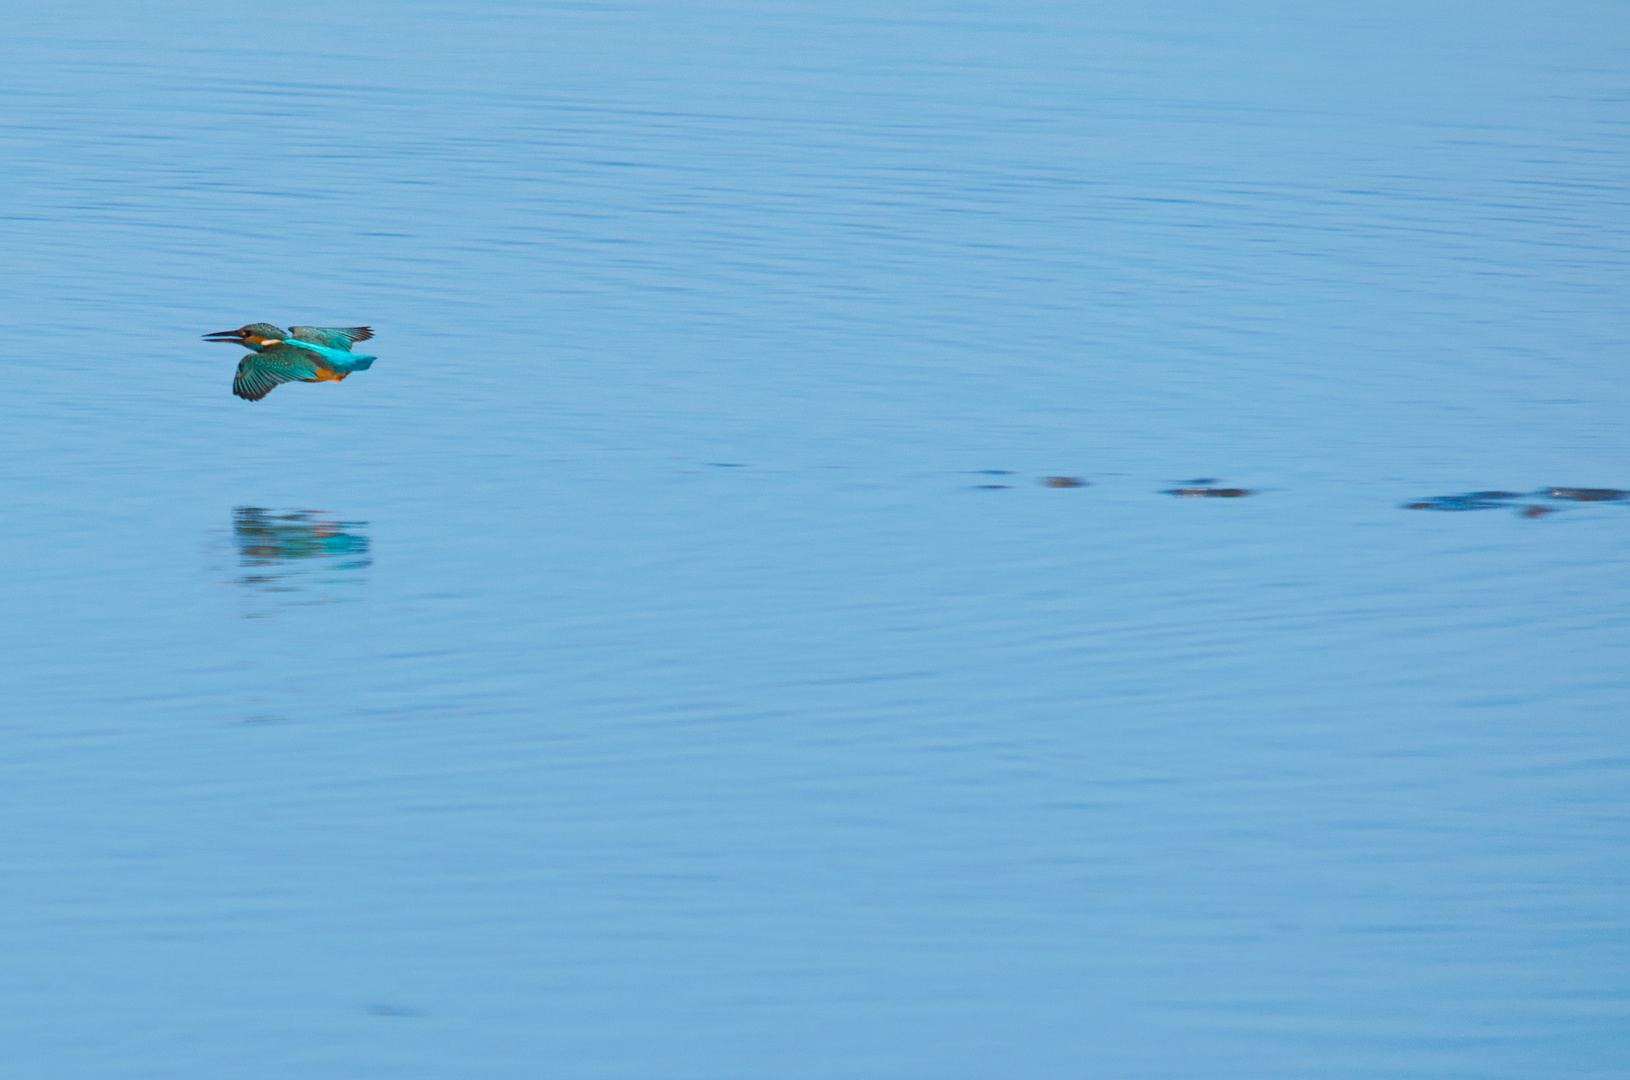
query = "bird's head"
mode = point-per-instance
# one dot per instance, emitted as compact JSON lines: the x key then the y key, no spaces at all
{"x":256,"y":336}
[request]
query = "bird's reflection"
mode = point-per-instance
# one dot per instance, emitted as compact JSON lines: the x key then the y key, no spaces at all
{"x":299,"y":551}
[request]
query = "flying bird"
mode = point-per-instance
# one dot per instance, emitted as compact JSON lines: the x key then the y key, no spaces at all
{"x":302,"y":354}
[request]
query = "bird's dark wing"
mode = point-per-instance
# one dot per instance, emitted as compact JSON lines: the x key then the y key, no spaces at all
{"x":259,"y":372}
{"x":335,"y":337}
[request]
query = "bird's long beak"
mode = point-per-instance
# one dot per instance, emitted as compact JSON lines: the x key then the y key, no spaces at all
{"x":231,"y":336}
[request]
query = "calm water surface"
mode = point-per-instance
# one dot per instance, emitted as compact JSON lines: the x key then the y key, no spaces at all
{"x":668,"y":661}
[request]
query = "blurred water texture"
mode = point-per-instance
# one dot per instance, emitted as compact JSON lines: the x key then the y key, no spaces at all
{"x":770,"y":647}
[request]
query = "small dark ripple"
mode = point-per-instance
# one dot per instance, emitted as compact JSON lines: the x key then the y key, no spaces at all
{"x":1207,"y":492}
{"x":1502,"y":500}
{"x":1572,"y":494}
{"x":392,"y":1010}
{"x":1471,"y":500}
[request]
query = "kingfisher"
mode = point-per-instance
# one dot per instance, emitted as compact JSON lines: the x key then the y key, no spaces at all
{"x":302,"y":353}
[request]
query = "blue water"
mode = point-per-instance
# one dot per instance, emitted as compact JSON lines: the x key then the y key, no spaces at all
{"x":668,"y":661}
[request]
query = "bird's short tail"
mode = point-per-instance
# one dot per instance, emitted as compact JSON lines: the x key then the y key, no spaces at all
{"x":362,"y":363}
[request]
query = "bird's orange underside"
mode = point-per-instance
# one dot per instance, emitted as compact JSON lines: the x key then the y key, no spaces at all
{"x":329,"y":375}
